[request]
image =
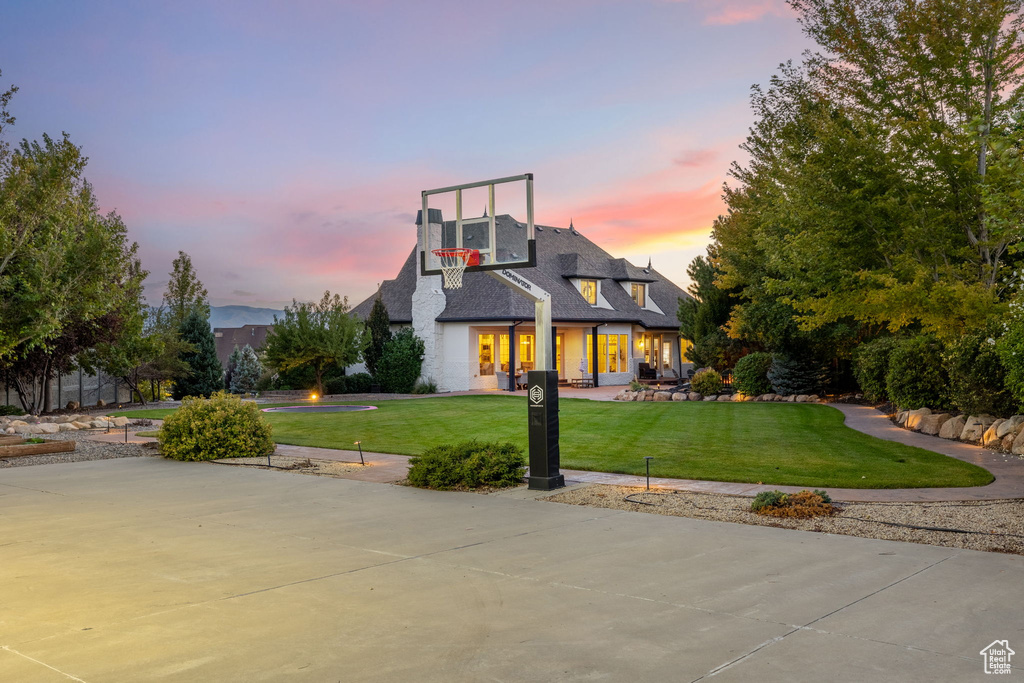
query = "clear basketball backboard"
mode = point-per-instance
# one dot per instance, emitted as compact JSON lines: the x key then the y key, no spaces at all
{"x":493,"y":219}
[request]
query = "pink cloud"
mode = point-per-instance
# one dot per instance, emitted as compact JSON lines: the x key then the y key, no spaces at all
{"x":732,"y":12}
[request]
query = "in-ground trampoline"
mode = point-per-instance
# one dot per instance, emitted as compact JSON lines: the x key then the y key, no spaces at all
{"x":318,"y":409}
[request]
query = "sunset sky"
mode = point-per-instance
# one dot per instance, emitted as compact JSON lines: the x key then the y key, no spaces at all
{"x":284,"y":145}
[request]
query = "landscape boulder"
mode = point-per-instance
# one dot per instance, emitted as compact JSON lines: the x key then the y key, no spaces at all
{"x":931,"y":424}
{"x":952,"y":428}
{"x":695,"y":396}
{"x":78,"y":424}
{"x":1010,"y":427}
{"x":989,"y":438}
{"x":47,"y":428}
{"x":679,"y":396}
{"x":711,"y":398}
{"x":67,"y":427}
{"x":913,"y":418}
{"x":73,"y":405}
{"x":801,"y":398}
{"x":1017,"y":446}
{"x":974,"y":428}
{"x":724,"y":397}
{"x":662,"y":396}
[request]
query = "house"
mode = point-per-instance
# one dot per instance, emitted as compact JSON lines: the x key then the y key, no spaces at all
{"x":228,"y":338}
{"x":608,"y":315}
{"x":997,"y":656}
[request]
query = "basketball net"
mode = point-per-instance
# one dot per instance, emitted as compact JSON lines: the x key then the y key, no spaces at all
{"x":453,"y":265}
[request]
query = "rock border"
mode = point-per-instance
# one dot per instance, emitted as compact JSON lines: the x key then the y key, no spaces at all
{"x":995,"y":433}
{"x":31,"y":425}
{"x":654,"y":395}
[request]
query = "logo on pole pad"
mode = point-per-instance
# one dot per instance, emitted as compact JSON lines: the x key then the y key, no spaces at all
{"x":536,"y":395}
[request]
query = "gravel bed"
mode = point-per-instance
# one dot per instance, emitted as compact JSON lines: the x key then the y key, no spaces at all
{"x":997,"y":526}
{"x":84,"y":450}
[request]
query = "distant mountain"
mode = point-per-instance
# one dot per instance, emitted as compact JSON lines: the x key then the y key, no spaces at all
{"x":236,"y":316}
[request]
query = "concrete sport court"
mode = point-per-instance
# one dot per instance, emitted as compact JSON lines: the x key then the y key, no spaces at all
{"x":145,"y":569}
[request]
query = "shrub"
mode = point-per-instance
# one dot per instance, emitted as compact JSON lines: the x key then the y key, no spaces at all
{"x":916,"y":378}
{"x":401,"y":362}
{"x":870,"y":365}
{"x":1010,"y":347}
{"x":221,"y":426}
{"x":358,"y":383}
{"x":768,"y":499}
{"x":706,"y":381}
{"x":804,"y":504}
{"x":977,"y":379}
{"x":750,"y":376}
{"x":636,"y":386}
{"x":425,"y":387}
{"x":792,"y":373}
{"x":11,"y":410}
{"x":468,"y":465}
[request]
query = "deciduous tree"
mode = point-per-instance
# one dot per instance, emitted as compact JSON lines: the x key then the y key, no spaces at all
{"x":320,"y":335}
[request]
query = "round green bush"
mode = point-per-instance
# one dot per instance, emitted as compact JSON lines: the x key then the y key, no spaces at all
{"x":977,"y":379}
{"x":222,"y":426}
{"x":400,"y":362}
{"x":916,"y":377}
{"x":358,"y":383}
{"x":468,"y":465}
{"x":870,"y":365}
{"x":706,"y":381}
{"x":750,"y":376}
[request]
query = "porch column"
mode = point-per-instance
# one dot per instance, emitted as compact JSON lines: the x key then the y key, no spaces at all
{"x":511,"y":381}
{"x":554,"y":348}
{"x":593,"y":353}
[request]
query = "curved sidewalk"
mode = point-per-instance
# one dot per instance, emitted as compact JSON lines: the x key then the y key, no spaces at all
{"x":1007,"y":469}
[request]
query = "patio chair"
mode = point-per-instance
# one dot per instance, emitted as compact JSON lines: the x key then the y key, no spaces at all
{"x":502,"y":380}
{"x":645,"y":371}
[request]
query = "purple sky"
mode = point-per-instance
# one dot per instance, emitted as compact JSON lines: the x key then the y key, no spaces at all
{"x":283,"y":145}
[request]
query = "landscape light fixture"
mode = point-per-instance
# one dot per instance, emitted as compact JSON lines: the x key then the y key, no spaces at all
{"x":312,"y":397}
{"x":648,"y":458}
{"x":360,"y":444}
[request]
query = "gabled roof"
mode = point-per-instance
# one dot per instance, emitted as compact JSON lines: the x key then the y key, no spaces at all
{"x":561,"y":254}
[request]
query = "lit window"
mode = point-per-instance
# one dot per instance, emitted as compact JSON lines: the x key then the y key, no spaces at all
{"x":486,"y":354}
{"x":503,"y":352}
{"x":588,"y":288}
{"x":639,"y":293}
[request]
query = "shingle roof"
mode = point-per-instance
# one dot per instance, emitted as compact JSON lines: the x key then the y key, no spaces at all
{"x":227,"y":338}
{"x":561,"y":254}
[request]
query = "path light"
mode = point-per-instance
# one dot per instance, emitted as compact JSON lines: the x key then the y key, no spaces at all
{"x":360,"y":444}
{"x":648,"y":458}
{"x":313,"y":397}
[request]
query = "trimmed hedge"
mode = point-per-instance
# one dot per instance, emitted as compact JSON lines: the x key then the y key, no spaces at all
{"x":359,"y":383}
{"x":11,"y":410}
{"x":916,"y":377}
{"x":750,"y":376}
{"x":468,"y":465}
{"x":870,"y":366}
{"x":222,"y":426}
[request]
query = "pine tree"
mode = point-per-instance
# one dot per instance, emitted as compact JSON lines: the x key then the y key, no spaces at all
{"x":205,"y":374}
{"x":378,"y":333}
{"x":229,"y":373}
{"x":247,"y":372}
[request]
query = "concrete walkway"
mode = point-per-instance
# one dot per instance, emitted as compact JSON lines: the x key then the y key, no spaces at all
{"x":1007,"y":469}
{"x":146,"y":569}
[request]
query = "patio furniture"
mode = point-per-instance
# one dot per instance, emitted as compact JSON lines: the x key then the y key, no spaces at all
{"x":584,"y":382}
{"x":502,"y":380}
{"x":645,"y":371}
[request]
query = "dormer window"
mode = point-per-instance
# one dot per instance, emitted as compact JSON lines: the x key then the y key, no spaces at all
{"x":639,"y":293}
{"x":588,"y":288}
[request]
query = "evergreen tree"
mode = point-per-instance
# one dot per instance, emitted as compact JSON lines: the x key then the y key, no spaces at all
{"x":401,"y":362}
{"x":229,"y":372}
{"x":702,"y":318}
{"x":185,"y":293}
{"x":205,"y":374}
{"x":247,"y":372}
{"x":378,"y":332}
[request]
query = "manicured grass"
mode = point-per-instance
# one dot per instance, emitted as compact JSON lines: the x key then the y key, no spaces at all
{"x":776,"y":443}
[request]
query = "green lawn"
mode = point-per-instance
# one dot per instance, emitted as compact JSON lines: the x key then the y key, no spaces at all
{"x":772,"y":443}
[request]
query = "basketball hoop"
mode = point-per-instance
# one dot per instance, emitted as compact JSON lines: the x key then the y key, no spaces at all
{"x":454,"y":262}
